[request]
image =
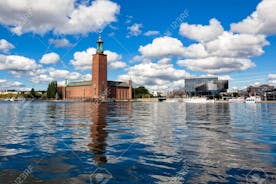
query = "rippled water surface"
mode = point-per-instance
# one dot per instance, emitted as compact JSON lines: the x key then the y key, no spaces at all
{"x":48,"y":142}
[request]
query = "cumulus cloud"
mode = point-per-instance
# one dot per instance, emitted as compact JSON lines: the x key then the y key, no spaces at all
{"x":83,"y":59}
{"x":117,"y":65}
{"x":60,"y":43}
{"x":9,"y":84}
{"x":261,"y":21}
{"x":17,"y":63}
{"x":61,"y":17}
{"x":162,"y":47}
{"x":202,"y":33}
{"x":134,"y":30}
{"x":63,"y":74}
{"x":216,"y":65}
{"x":237,"y":45}
{"x":41,"y":78}
{"x":50,"y":58}
{"x":151,"y":33}
{"x":225,"y":77}
{"x":165,"y":61}
{"x":155,"y":76}
{"x":272,"y":79}
{"x":271,"y":76}
{"x":5,"y":46}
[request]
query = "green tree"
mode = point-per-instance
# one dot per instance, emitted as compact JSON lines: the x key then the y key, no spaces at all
{"x":141,"y":92}
{"x":52,"y":90}
{"x":32,"y":93}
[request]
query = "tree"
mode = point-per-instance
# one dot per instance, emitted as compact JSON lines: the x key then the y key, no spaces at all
{"x":52,"y":90}
{"x":141,"y":92}
{"x":32,"y":93}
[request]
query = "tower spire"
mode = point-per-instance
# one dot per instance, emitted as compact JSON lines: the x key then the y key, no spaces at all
{"x":100,"y":45}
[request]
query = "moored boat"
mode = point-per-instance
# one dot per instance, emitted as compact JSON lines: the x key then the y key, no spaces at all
{"x":198,"y":100}
{"x":253,"y":99}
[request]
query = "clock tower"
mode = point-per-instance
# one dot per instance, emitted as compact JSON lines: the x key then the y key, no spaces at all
{"x":99,"y":72}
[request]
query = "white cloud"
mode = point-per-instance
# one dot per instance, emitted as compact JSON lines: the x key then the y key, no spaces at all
{"x":63,"y":74}
{"x":17,"y":63}
{"x":50,"y":58}
{"x":61,"y":17}
{"x":155,"y":76}
{"x":271,"y":76}
{"x":151,"y":33}
{"x":217,"y":65}
{"x":86,"y":77}
{"x":225,"y":77}
{"x":83,"y":59}
{"x":261,"y":21}
{"x":5,"y":46}
{"x":164,"y":61}
{"x":219,"y":51}
{"x":197,"y":50}
{"x":117,"y":65}
{"x":9,"y":84}
{"x":59,"y":43}
{"x":226,"y":53}
{"x":162,"y":47}
{"x":202,"y":33}
{"x":41,"y":78}
{"x":272,"y":79}
{"x":134,"y":30}
{"x":237,"y":45}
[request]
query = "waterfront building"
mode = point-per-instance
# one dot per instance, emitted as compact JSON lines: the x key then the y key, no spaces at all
{"x":259,"y":90}
{"x":204,"y":86}
{"x":99,"y":87}
{"x":270,"y":95}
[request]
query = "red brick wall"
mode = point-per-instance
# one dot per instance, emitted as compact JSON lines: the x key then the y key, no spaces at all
{"x":99,"y":75}
{"x":78,"y":92}
{"x":122,"y":93}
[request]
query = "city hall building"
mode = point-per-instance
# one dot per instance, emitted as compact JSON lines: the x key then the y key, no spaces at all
{"x":99,"y":88}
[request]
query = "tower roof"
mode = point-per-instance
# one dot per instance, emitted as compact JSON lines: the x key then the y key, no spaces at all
{"x":100,"y":45}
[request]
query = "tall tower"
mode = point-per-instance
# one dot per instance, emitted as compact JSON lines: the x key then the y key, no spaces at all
{"x":99,"y":72}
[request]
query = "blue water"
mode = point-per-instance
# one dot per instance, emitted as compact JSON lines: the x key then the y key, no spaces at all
{"x":122,"y":143}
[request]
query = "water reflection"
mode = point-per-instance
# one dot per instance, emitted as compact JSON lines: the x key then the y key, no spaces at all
{"x":138,"y":142}
{"x":98,"y":133}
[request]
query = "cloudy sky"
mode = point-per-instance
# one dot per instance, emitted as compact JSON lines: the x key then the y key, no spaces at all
{"x":154,"y":44}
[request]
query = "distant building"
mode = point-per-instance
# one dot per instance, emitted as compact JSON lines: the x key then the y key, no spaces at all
{"x":270,"y":95}
{"x":98,"y":87}
{"x":204,"y":86}
{"x":259,"y":90}
{"x":265,"y":91}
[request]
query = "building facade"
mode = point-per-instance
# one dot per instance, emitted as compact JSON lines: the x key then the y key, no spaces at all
{"x":98,"y":88}
{"x":204,"y":86}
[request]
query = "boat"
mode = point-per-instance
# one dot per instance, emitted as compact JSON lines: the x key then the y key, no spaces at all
{"x":11,"y":100}
{"x":253,"y":99}
{"x":198,"y":100}
{"x":237,"y":100}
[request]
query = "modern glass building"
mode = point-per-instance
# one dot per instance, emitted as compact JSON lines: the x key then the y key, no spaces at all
{"x":204,"y":86}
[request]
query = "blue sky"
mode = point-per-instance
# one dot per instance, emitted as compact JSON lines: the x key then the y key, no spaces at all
{"x":154,"y":43}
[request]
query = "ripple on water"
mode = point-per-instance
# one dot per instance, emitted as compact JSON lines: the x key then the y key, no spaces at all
{"x":138,"y":142}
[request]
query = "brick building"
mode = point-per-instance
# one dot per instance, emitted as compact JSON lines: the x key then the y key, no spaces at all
{"x":98,"y":87}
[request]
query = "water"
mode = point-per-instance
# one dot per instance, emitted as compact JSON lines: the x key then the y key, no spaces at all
{"x":122,"y":143}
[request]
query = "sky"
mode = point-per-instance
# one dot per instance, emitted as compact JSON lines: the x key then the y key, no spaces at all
{"x":154,"y":43}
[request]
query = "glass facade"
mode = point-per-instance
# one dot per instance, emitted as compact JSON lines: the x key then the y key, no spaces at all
{"x":205,"y":86}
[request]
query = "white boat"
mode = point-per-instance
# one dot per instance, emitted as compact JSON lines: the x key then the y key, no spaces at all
{"x":237,"y":100}
{"x":198,"y":100}
{"x":11,"y":99}
{"x":253,"y":99}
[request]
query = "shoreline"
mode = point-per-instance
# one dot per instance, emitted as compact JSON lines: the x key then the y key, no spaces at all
{"x":169,"y":100}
